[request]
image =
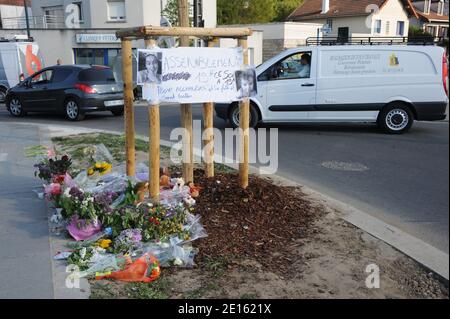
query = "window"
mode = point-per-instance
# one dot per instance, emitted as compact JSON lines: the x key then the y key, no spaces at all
{"x":377,"y":28}
{"x":330,"y":23}
{"x":96,"y":56}
{"x":296,"y":66}
{"x":400,"y":28}
{"x":431,"y":30}
{"x":97,"y":74}
{"x":116,"y":10}
{"x":42,"y":78}
{"x":427,"y":6}
{"x":61,"y":75}
{"x":388,"y":27}
{"x":80,"y":10}
{"x":440,"y":9}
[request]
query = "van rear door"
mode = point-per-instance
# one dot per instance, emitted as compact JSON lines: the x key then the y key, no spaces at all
{"x":291,"y":86}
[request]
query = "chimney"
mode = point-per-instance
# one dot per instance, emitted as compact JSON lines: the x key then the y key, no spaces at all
{"x":325,"y":6}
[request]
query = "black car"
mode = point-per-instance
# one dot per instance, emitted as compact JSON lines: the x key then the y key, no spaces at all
{"x":72,"y":90}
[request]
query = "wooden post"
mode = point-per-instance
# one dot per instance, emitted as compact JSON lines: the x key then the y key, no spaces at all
{"x":154,"y":143}
{"x":186,"y":109}
{"x":244,"y":110}
{"x":208,"y":119}
{"x":129,"y":110}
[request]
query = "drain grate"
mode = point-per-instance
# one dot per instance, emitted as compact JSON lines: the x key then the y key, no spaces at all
{"x":345,"y":166}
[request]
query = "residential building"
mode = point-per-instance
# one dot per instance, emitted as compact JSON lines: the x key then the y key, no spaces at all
{"x":432,"y":17}
{"x":279,"y":36}
{"x":363,"y":18}
{"x":83,"y":31}
{"x":12,"y":13}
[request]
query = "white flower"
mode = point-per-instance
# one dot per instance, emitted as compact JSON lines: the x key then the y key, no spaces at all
{"x":83,"y":252}
{"x":67,"y":193}
{"x":178,"y":262}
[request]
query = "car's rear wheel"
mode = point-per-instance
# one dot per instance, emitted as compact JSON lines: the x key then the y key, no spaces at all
{"x":234,"y":116}
{"x":15,"y":107}
{"x":396,"y":118}
{"x":72,"y":110}
{"x":117,"y":112}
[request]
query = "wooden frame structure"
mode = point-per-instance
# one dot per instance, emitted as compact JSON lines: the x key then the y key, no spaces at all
{"x":149,"y":33}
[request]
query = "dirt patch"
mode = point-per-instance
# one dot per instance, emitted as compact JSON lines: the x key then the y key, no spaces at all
{"x":262,"y":222}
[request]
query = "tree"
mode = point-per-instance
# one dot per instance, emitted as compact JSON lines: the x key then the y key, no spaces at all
{"x":285,"y":7}
{"x":170,"y":11}
{"x":245,"y":11}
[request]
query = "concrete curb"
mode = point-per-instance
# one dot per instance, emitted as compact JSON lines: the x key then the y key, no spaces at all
{"x":425,"y":254}
{"x":60,"y":271}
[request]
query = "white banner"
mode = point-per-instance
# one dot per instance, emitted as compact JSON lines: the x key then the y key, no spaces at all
{"x":194,"y":75}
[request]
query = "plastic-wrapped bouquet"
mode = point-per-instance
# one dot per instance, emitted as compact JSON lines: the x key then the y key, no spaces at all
{"x":128,"y":240}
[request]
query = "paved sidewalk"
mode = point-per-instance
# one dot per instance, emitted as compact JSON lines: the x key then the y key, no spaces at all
{"x":25,"y":259}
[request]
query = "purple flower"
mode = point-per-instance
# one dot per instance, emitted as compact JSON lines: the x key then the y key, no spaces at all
{"x":76,"y":192}
{"x":104,"y":200}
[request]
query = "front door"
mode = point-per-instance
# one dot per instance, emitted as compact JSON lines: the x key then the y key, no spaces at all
{"x":37,"y":95}
{"x":291,"y":87}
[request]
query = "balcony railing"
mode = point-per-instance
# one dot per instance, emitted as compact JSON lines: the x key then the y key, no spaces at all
{"x":36,"y":22}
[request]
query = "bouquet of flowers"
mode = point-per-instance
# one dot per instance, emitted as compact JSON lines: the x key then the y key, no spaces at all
{"x":84,"y":205}
{"x":53,"y":193}
{"x":52,"y":167}
{"x":100,"y":168}
{"x":128,"y":240}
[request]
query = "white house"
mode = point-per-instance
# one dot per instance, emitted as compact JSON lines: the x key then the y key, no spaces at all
{"x":432,"y":16}
{"x":363,"y":18}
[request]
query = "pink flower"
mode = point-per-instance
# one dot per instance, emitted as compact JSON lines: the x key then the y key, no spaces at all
{"x":51,"y":153}
{"x":68,"y":181}
{"x":53,"y":189}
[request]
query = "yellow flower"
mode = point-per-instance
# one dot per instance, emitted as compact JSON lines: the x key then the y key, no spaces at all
{"x":105,"y":243}
{"x":98,"y":165}
{"x":90,"y":171}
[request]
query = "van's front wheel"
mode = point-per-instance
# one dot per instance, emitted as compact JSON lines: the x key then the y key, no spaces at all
{"x":234,"y":116}
{"x":396,"y":119}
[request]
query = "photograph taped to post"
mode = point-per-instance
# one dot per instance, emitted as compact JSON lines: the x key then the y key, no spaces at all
{"x":149,"y":67}
{"x":246,"y":83}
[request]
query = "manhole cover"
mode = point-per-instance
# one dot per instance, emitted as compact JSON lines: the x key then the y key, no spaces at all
{"x":345,"y":166}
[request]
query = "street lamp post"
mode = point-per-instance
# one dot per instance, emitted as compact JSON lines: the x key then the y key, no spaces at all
{"x":26,"y":17}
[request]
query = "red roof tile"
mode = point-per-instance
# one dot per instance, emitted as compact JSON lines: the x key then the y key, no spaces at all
{"x":18,"y":3}
{"x":433,"y":16}
{"x":312,"y":9}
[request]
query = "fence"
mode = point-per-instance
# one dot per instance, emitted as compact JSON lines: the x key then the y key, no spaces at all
{"x":36,"y":22}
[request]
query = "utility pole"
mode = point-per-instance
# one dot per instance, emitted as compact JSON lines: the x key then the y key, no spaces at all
{"x":26,"y":17}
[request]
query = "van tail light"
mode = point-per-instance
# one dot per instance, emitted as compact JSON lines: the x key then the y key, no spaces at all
{"x":85,"y":88}
{"x":445,"y":73}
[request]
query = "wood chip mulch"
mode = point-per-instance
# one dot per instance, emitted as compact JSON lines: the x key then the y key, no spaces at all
{"x":261,"y":223}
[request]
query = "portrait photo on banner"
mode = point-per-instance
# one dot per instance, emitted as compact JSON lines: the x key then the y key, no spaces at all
{"x":246,"y":83}
{"x":149,"y":67}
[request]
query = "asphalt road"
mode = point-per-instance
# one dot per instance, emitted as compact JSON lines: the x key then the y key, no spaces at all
{"x":402,"y":180}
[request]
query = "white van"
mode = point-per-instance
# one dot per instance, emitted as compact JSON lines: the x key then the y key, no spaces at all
{"x":17,"y":58}
{"x":392,"y":85}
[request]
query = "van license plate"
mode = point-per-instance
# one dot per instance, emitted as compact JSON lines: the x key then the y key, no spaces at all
{"x":114,"y":103}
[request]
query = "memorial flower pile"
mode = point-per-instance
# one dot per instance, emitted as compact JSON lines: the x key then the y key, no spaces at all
{"x":109,"y":216}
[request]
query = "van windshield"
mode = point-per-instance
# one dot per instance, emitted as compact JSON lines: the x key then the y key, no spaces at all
{"x":97,"y":74}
